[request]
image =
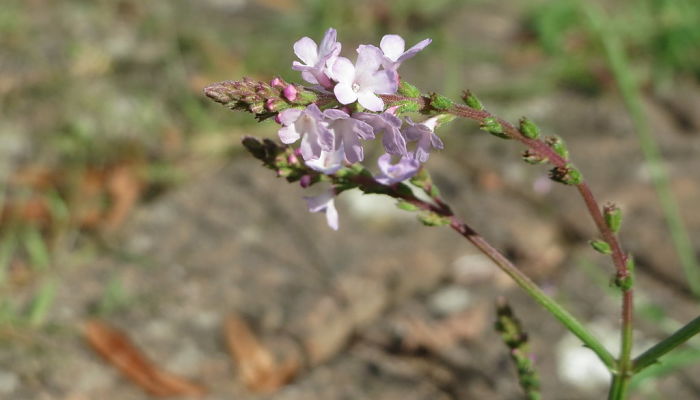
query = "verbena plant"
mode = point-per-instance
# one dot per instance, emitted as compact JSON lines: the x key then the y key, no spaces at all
{"x":346,"y":104}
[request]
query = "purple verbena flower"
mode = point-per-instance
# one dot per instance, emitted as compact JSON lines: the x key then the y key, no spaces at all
{"x":393,"y":140}
{"x":364,"y":80}
{"x":393,"y":48}
{"x":317,"y":59}
{"x":394,"y":173}
{"x":347,"y":133}
{"x":324,"y":203}
{"x":329,"y":162}
{"x":424,"y":134}
{"x":307,"y":124}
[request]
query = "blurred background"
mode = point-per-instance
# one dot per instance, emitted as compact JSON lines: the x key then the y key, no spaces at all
{"x":125,"y":197}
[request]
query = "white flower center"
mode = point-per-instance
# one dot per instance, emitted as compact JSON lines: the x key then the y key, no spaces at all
{"x":355,"y":87}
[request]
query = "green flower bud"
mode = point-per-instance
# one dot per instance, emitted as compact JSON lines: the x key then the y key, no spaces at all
{"x":405,"y":106}
{"x":443,"y":119}
{"x":404,"y":205}
{"x":567,"y":175}
{"x":440,"y":102}
{"x":305,"y":97}
{"x":533,"y":158}
{"x":471,"y":100}
{"x":432,"y":219}
{"x":408,"y":90}
{"x":529,"y":129}
{"x":601,"y":247}
{"x":613,"y":217}
{"x":492,"y":126}
{"x":557,"y":144}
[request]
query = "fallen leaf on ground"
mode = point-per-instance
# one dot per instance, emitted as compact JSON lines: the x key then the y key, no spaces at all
{"x":259,"y":369}
{"x":439,"y":336}
{"x":124,"y":187}
{"x":118,"y":350}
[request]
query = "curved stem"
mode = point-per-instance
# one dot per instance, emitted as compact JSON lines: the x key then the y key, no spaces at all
{"x":367,"y":184}
{"x":568,"y":320}
{"x":618,"y":256}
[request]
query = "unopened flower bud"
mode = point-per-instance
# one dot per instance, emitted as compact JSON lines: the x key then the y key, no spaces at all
{"x":440,"y":102}
{"x":290,"y":92}
{"x":392,"y":110}
{"x":408,"y":90}
{"x":529,"y":129}
{"x":567,"y":175}
{"x":471,"y":100}
{"x":601,"y":246}
{"x":557,"y":144}
{"x":277,"y":82}
{"x":492,"y":126}
{"x":270,"y":104}
{"x":532,"y":157}
{"x":613,"y":217}
{"x":305,"y":181}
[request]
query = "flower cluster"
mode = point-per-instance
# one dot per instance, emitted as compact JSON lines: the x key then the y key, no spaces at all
{"x":333,"y":136}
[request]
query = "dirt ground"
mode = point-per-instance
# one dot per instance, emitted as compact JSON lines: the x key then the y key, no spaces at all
{"x":385,"y":308}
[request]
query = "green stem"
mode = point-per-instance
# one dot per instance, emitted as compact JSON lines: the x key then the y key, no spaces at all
{"x":441,"y":208}
{"x":568,"y":320}
{"x":619,"y":387}
{"x":652,"y":355}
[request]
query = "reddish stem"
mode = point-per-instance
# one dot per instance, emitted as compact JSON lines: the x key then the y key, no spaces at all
{"x":543,"y":150}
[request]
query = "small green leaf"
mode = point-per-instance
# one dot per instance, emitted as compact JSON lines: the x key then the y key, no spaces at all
{"x":601,"y":246}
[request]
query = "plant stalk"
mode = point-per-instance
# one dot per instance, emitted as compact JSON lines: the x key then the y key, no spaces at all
{"x":657,"y":351}
{"x":568,"y":320}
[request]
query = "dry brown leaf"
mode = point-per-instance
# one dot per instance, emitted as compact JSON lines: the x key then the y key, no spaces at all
{"x":259,"y":370}
{"x":124,"y":187}
{"x":88,"y":203}
{"x":118,"y":350}
{"x":445,"y":334}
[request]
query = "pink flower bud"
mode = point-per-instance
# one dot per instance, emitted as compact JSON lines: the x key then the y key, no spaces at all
{"x":392,"y":110}
{"x":305,"y":181}
{"x":292,"y":159}
{"x":290,"y":92}
{"x":277,"y":82}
